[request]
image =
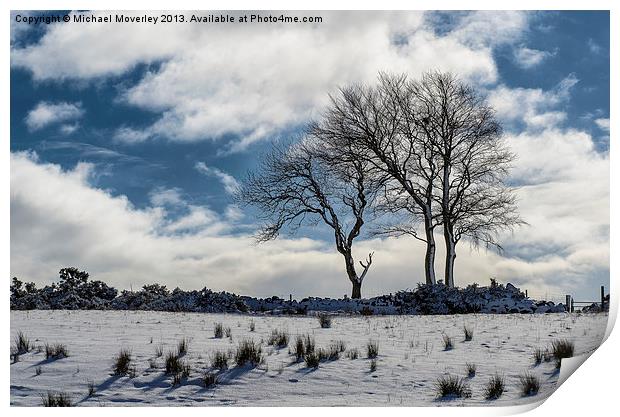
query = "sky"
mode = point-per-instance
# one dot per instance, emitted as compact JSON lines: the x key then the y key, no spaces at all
{"x":128,"y":141}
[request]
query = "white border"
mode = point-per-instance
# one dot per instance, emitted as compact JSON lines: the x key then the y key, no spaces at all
{"x":590,"y":391}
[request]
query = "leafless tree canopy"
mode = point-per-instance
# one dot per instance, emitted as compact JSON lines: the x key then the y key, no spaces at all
{"x":424,"y":154}
{"x":306,"y":183}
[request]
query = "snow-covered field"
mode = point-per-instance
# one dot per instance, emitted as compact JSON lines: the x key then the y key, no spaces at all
{"x":411,"y":357}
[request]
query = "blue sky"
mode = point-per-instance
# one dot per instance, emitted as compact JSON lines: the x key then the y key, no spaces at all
{"x":164,"y":120}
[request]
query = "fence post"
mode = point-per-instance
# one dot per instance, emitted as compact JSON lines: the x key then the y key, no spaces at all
{"x":602,"y":297}
{"x":568,"y":302}
{"x":572,"y":305}
{"x":526,"y":294}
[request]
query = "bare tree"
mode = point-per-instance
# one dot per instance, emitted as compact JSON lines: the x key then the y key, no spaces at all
{"x":473,"y":162}
{"x":375,"y":125}
{"x":306,"y":183}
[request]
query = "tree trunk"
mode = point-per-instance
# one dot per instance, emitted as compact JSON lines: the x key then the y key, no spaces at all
{"x":450,"y":254}
{"x":429,"y":259}
{"x":357,"y":290}
{"x":352,"y":274}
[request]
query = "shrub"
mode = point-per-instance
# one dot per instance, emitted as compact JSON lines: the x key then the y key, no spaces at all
{"x":452,"y":386}
{"x":538,"y":356}
{"x":278,"y":338}
{"x":173,"y":363}
{"x":209,"y":379}
{"x":471,"y":369}
{"x":562,"y":349}
{"x":60,"y":399}
{"x":56,"y":351}
{"x":447,"y":342}
{"x":325,"y":320}
{"x":373,"y":365}
{"x":22,"y":343}
{"x":122,"y":362}
{"x":469,"y":333}
{"x":219,"y":360}
{"x":372,"y":349}
{"x":494,"y":388}
{"x":218,"y":331}
{"x":353,"y":353}
{"x":529,"y":383}
{"x":312,"y":360}
{"x":248,"y":352}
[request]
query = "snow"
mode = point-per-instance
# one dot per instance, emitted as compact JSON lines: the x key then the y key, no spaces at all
{"x":411,"y":357}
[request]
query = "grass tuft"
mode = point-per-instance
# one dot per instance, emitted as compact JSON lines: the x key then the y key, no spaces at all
{"x":182,"y":346}
{"x":539,"y":355}
{"x":353,"y":353}
{"x":220,"y":360}
{"x":372,"y":349}
{"x":218,"y":331}
{"x":325,"y":320}
{"x":471,"y":369}
{"x":122,"y":362}
{"x":469,"y":333}
{"x":250,"y":352}
{"x":252,"y":325}
{"x":278,"y":338}
{"x":452,"y":386}
{"x":56,"y":351}
{"x":373,"y":365}
{"x":60,"y":399}
{"x":447,"y":342}
{"x":173,"y":363}
{"x":91,"y":388}
{"x":494,"y":388}
{"x":209,"y":379}
{"x":562,"y":349}
{"x":22,"y":343}
{"x":529,"y":383}
{"x":312,"y":359}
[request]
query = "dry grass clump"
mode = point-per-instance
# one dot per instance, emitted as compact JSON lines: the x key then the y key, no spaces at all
{"x":325,"y":320}
{"x":451,"y":386}
{"x":447,"y":342}
{"x":529,"y":383}
{"x":56,"y":351}
{"x":218,"y":330}
{"x":220,"y":360}
{"x":182,"y":346}
{"x":250,"y":352}
{"x":56,"y":399}
{"x":562,"y":349}
{"x":469,"y":333}
{"x":22,"y":343}
{"x":278,"y":338}
{"x":122,"y":362}
{"x":471,"y":369}
{"x":372,"y":349}
{"x":494,"y":388}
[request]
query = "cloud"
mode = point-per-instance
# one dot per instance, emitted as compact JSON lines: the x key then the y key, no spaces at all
{"x":528,"y":58}
{"x":45,"y":114}
{"x":603,"y":124}
{"x":228,"y":181}
{"x":205,"y":89}
{"x":565,"y":248}
{"x":532,"y":107}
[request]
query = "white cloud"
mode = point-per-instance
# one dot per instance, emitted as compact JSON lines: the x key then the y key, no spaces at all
{"x":166,"y":196}
{"x":534,"y":107}
{"x":565,"y":204}
{"x":228,"y":181}
{"x":205,"y":88}
{"x":529,"y":58}
{"x":603,"y":124}
{"x":45,"y":114}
